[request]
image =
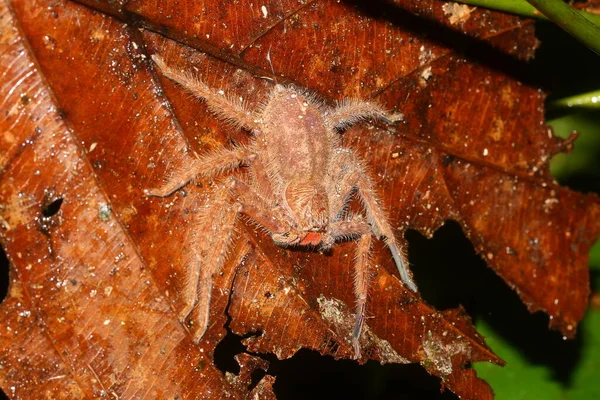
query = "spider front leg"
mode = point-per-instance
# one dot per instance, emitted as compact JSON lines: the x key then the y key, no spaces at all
{"x":207,"y":165}
{"x":228,"y":108}
{"x":351,"y":111}
{"x":382,"y":228}
{"x":256,"y":208}
{"x":354,"y":176}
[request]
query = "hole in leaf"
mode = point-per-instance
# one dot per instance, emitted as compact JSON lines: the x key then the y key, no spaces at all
{"x":226,"y":350}
{"x":51,"y":208}
{"x":4,"y":275}
{"x":255,"y":377}
{"x":311,"y":375}
{"x":444,"y":266}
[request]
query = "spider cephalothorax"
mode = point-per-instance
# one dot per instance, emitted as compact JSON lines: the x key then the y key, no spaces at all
{"x":298,"y":184}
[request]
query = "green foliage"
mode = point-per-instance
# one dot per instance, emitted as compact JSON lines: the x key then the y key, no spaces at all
{"x":571,"y":20}
{"x":525,"y":377}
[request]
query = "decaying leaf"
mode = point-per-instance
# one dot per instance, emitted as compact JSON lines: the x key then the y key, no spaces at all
{"x":88,"y":124}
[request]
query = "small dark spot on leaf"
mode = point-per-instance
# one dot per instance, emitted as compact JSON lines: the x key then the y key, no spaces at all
{"x":447,"y":160}
{"x":61,"y":114}
{"x":200,"y":366}
{"x":51,"y":208}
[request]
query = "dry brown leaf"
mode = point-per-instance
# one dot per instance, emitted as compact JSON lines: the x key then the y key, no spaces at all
{"x":94,"y":291}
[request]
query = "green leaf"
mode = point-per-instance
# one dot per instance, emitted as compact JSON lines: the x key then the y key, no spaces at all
{"x":524,"y":379}
{"x":519,"y":379}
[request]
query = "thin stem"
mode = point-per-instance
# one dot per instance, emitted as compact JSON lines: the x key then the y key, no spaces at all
{"x":571,"y":21}
{"x":518,"y":7}
{"x":583,"y":100}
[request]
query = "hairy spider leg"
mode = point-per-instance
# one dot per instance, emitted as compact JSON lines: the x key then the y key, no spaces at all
{"x":220,"y":218}
{"x":344,"y":230}
{"x":232,"y":199}
{"x":362,"y":278}
{"x":214,"y":233}
{"x":359,"y":179}
{"x":208,"y":165}
{"x":199,"y":273}
{"x":382,"y":228}
{"x":350,"y":111}
{"x":226,"y":107}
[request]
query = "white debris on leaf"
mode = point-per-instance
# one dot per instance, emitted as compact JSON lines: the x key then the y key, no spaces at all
{"x":457,"y":12}
{"x":440,"y":354}
{"x":336,"y":312}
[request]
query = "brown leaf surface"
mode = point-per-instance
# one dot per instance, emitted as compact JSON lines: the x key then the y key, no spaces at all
{"x":94,"y":287}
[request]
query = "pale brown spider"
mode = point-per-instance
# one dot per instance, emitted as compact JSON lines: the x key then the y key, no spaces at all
{"x":299,"y":181}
